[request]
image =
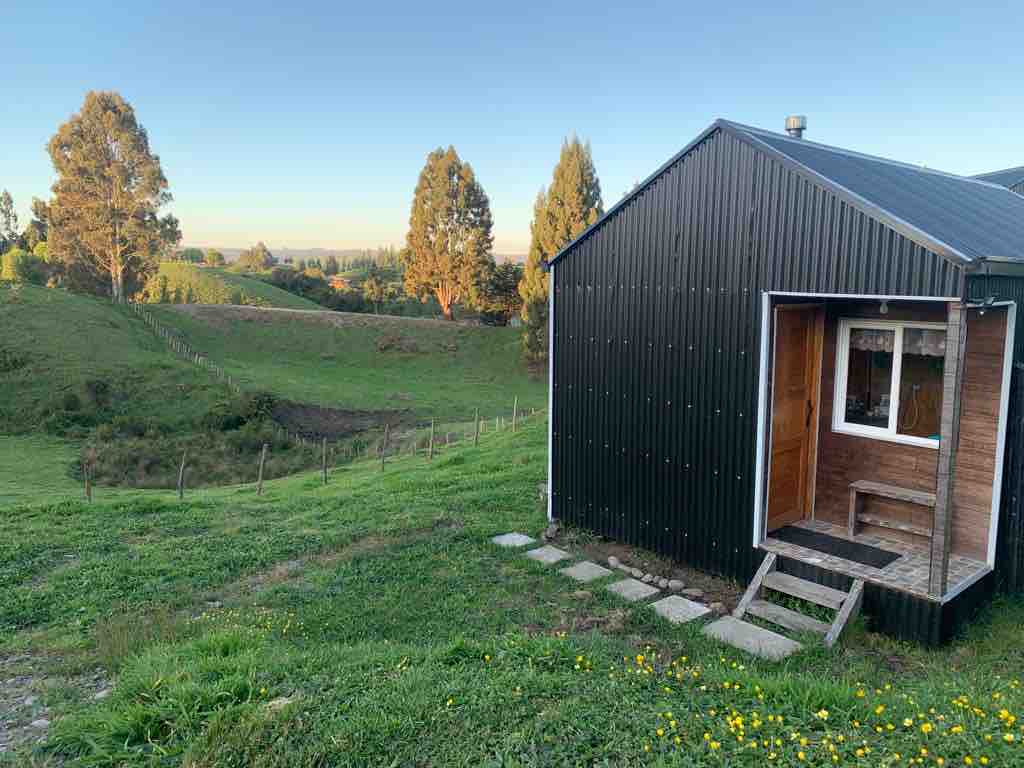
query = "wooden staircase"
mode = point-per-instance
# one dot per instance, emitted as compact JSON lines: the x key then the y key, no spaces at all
{"x":768,"y":580}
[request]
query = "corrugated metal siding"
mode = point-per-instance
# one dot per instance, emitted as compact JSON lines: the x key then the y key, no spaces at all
{"x":656,"y":342}
{"x":1009,"y":565}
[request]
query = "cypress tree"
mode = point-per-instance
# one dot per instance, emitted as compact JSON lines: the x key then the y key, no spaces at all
{"x":560,"y":213}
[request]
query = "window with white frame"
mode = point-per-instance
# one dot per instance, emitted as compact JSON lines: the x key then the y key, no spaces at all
{"x":889,"y":380}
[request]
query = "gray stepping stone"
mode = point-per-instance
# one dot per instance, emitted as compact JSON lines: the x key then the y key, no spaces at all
{"x":679,"y":610}
{"x":548,"y":555}
{"x":513,"y":540}
{"x":752,"y":639}
{"x":632,"y":590}
{"x":585,"y":571}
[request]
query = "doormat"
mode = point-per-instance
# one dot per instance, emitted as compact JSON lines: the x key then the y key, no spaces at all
{"x":831,"y":545}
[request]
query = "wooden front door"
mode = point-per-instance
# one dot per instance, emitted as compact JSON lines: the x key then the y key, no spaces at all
{"x":794,"y":413}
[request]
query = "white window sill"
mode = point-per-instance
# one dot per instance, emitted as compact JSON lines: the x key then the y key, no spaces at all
{"x":888,"y":437}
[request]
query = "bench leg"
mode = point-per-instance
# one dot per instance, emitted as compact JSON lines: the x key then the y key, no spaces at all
{"x":854,"y":503}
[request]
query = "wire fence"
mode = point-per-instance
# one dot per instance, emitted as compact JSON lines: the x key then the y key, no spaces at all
{"x":393,"y":438}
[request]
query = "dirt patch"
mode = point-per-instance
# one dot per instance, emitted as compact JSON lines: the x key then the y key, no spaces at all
{"x":25,"y":682}
{"x":333,"y":423}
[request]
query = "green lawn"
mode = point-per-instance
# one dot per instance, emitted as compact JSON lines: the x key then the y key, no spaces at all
{"x":432,"y":368}
{"x":372,"y":622}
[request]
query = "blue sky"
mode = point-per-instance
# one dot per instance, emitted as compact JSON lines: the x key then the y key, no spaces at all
{"x":306,"y":123}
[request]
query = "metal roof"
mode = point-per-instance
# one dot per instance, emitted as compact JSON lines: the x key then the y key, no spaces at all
{"x":1008,"y":177}
{"x":958,"y":217}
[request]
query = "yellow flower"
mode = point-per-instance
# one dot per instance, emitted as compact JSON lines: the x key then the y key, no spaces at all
{"x":714,"y":745}
{"x":983,"y":760}
{"x":821,"y":714}
{"x":926,"y":728}
{"x":660,"y":732}
{"x":860,"y":693}
{"x":939,"y":761}
{"x":968,"y":760}
{"x":859,"y":753}
{"x":1008,"y":738}
{"x":880,"y":709}
{"x":907,"y":722}
{"x":801,"y":755}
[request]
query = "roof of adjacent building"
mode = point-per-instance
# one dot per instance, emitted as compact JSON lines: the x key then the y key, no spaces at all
{"x":1008,"y":177}
{"x":964,"y":219}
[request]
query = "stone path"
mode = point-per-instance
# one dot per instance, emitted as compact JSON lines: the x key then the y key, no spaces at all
{"x":751,"y":638}
{"x":677,"y":608}
{"x":548,"y":555}
{"x":674,"y":608}
{"x":513,"y":540}
{"x":633,"y":590}
{"x":585,"y":571}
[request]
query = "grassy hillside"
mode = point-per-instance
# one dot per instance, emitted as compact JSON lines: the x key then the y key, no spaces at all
{"x":271,"y":295}
{"x":371,"y":622}
{"x":428,"y":367}
{"x":73,"y":362}
{"x":77,"y":372}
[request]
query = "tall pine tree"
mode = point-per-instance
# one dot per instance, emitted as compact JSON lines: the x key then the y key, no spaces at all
{"x":561,"y":212}
{"x":448,"y":247}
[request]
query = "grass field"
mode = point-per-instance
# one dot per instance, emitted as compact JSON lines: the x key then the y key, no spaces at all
{"x":70,"y":355}
{"x":33,"y":469}
{"x":428,"y":367}
{"x":272,"y":295}
{"x":371,"y":622}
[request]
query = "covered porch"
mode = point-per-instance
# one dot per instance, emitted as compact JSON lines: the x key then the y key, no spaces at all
{"x":882,"y":426}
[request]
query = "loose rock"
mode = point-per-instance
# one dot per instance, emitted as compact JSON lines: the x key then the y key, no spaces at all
{"x":647,"y":578}
{"x":551,"y":531}
{"x":636,"y":573}
{"x":42,"y":722}
{"x":582,"y":594}
{"x":613,"y":562}
{"x":694,"y":594}
{"x":718,"y":608}
{"x":663,"y":583}
{"x":99,"y":695}
{"x":675,"y":585}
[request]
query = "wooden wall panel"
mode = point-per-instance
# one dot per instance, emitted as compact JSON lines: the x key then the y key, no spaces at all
{"x":979,"y":424}
{"x":842,"y":458}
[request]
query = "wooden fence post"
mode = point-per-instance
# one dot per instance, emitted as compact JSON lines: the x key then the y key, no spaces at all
{"x":515,"y":412}
{"x":88,"y":481}
{"x":476,"y":426}
{"x":259,"y":477}
{"x":430,"y":450}
{"x":325,"y":460}
{"x":384,"y":447}
{"x":181,"y":475}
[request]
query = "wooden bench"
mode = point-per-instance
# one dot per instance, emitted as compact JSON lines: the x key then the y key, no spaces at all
{"x":861,"y":488}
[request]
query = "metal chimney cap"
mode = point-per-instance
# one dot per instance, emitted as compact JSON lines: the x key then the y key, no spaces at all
{"x":796,"y":125}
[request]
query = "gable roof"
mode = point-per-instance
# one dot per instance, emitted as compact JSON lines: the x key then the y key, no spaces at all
{"x":1008,"y":177}
{"x":962,"y":219}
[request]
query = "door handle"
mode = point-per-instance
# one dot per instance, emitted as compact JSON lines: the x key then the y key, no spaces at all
{"x":810,"y":410}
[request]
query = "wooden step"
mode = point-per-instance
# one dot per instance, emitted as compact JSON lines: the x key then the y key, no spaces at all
{"x":786,"y":618}
{"x":912,"y":495}
{"x":805,"y":590}
{"x":894,"y":525}
{"x":846,"y":614}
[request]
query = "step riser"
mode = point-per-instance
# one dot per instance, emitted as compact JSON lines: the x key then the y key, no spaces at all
{"x":805,"y":590}
{"x":785,"y":618}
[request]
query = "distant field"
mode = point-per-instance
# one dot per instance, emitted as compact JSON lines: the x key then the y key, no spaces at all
{"x":428,"y":367}
{"x":275,"y":297}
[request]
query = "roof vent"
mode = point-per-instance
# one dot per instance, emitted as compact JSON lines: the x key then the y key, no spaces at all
{"x":796,"y":125}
